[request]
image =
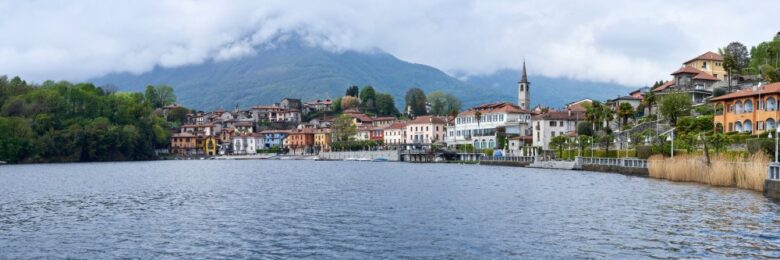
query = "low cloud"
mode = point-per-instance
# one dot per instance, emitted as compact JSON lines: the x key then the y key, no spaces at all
{"x":630,"y":43}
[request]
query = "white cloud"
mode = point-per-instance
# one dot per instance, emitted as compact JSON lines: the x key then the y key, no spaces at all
{"x":628,"y":42}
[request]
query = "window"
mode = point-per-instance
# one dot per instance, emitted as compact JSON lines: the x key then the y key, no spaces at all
{"x":704,"y":65}
{"x":748,"y":106}
{"x":771,"y":104}
{"x":553,"y":123}
{"x":492,"y":144}
{"x":552,"y":134}
{"x":760,"y":125}
{"x":738,"y":107}
{"x":748,"y":126}
{"x":770,"y":124}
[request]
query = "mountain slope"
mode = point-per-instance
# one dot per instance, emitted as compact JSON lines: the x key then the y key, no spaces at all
{"x":547,"y":91}
{"x":298,"y":71}
{"x":294,"y":71}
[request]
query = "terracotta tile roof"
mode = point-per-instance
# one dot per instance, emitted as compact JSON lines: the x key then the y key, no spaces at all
{"x":384,"y":118}
{"x":561,"y":115}
{"x":687,"y":70}
{"x":185,"y":134}
{"x":275,"y":132}
{"x":772,"y":88}
{"x":706,"y":76}
{"x":707,"y":56}
{"x":500,"y":107}
{"x":397,"y":125}
{"x":428,"y":120}
{"x":664,"y":86}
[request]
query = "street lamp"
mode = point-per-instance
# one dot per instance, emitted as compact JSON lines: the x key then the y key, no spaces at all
{"x":628,"y":145}
{"x":670,"y":138}
{"x":777,"y":135}
{"x":619,"y":145}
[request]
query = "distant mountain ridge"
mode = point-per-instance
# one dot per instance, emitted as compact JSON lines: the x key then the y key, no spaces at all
{"x":299,"y":71}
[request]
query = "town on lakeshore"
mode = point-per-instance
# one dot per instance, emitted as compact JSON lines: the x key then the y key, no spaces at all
{"x":712,"y":120}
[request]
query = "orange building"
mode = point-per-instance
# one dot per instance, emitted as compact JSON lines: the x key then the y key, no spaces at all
{"x":753,"y":110}
{"x":301,"y":141}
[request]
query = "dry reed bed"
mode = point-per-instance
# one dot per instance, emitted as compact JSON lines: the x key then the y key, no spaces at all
{"x":723,"y":171}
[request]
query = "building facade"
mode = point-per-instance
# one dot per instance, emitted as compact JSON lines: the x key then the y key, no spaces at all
{"x":480,"y":126}
{"x":426,"y":130}
{"x":555,"y":123}
{"x":748,"y":111}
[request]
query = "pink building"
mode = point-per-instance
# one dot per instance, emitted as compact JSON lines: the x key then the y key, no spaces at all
{"x":426,"y":130}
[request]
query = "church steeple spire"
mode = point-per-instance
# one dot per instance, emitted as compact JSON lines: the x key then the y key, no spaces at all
{"x":524,"y":77}
{"x":524,"y":90}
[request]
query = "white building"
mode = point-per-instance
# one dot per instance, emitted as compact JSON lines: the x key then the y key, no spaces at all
{"x":555,"y":123}
{"x":247,"y":143}
{"x":481,"y":132}
{"x":395,"y":133}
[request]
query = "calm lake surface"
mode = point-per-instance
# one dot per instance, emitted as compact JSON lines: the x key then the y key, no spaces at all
{"x":307,"y":209}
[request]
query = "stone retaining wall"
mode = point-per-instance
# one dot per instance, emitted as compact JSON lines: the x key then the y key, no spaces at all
{"x":616,"y":169}
{"x":772,"y":189}
{"x":391,"y":155}
{"x":505,"y":163}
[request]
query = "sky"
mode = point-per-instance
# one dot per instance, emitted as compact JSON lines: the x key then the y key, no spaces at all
{"x":626,"y":42}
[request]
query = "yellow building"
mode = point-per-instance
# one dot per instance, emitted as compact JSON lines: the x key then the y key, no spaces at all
{"x":709,"y":62}
{"x":323,"y":140}
{"x":210,"y":145}
{"x":748,"y":110}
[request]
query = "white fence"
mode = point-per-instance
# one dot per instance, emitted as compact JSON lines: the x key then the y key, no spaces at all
{"x":622,"y":162}
{"x":528,"y":159}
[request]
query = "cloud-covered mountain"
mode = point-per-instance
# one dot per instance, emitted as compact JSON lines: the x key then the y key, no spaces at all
{"x":299,"y":71}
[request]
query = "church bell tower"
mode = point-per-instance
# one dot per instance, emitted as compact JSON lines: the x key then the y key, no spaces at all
{"x":524,"y":91}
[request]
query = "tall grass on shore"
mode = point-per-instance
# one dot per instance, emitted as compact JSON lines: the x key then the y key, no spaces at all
{"x":723,"y":171}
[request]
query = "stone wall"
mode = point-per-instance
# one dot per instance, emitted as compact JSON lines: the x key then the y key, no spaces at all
{"x":505,"y":163}
{"x":391,"y":155}
{"x":772,"y":189}
{"x":616,"y":169}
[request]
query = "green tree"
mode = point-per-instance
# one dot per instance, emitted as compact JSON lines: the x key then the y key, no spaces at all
{"x":353,"y":91}
{"x":343,"y":129}
{"x":674,"y":105}
{"x":735,"y":59}
{"x":443,"y":104}
{"x":625,"y":111}
{"x":648,"y":100}
{"x":368,"y":99}
{"x":584,"y":129}
{"x":415,"y":101}
{"x":159,"y":96}
{"x":558,"y":142}
{"x":385,"y":105}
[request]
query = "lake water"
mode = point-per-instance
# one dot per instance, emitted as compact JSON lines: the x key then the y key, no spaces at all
{"x":307,"y":209}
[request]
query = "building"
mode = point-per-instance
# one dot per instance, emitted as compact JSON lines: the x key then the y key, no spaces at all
{"x":524,"y":91}
{"x":710,"y":63}
{"x":426,"y":130}
{"x":274,"y":138}
{"x":395,"y":133}
{"x":480,"y":126}
{"x":753,"y":110}
{"x":301,"y":141}
{"x":184,"y":144}
{"x":318,"y":106}
{"x":555,"y":123}
{"x":247,"y":143}
{"x":323,"y":138}
{"x":631,"y":100}
{"x":276,"y":113}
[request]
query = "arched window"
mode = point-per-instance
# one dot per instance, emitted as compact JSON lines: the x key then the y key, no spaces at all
{"x":770,"y":124}
{"x":719,"y":109}
{"x":747,"y":126}
{"x":748,"y":106}
{"x":492,"y":144}
{"x":771,"y":104}
{"x":738,"y":107}
{"x":476,"y":144}
{"x":484,"y":144}
{"x":738,"y":126}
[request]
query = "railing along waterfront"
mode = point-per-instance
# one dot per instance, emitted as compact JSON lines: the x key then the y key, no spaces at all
{"x":508,"y":158}
{"x":622,"y":162}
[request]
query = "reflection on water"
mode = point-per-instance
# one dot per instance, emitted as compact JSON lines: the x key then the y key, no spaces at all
{"x":293,"y":209}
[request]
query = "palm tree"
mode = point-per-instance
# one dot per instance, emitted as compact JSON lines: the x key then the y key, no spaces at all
{"x":594,"y":113}
{"x":478,"y":116}
{"x":625,"y":111}
{"x":649,"y":100}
